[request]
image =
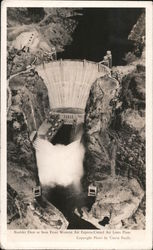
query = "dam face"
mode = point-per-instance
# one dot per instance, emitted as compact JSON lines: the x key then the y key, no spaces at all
{"x":68,"y":83}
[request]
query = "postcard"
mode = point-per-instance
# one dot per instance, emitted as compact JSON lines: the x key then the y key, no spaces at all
{"x":76,"y":125}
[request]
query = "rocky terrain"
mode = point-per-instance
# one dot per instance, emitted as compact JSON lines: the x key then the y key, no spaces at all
{"x":54,"y":25}
{"x":114,"y":137}
{"x":28,"y":109}
{"x":114,"y":128}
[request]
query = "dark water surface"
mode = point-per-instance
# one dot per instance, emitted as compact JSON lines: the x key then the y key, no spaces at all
{"x":102,"y":29}
{"x":66,"y":201}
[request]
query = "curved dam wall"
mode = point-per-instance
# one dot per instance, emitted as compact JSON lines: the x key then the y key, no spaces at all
{"x":69,"y":81}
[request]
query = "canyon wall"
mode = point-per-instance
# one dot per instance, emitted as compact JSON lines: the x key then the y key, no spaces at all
{"x":28,"y":108}
{"x":115,"y":127}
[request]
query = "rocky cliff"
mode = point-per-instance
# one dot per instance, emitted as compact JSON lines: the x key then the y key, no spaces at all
{"x":114,"y":138}
{"x":28,"y":108}
{"x":98,"y":142}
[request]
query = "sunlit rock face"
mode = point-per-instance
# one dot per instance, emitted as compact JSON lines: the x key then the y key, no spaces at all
{"x":118,"y":200}
{"x":98,"y":118}
{"x":116,"y":122}
{"x":131,"y":126}
{"x":32,"y":216}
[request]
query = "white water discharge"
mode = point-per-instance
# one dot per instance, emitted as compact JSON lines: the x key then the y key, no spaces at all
{"x":59,"y":164}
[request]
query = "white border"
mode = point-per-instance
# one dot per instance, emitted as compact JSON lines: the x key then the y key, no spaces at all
{"x":137,"y":242}
{"x":90,"y":4}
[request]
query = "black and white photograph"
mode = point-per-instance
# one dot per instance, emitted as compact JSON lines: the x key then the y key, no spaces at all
{"x":76,"y":118}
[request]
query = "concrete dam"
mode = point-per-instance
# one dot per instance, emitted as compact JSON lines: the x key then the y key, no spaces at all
{"x":68,"y":83}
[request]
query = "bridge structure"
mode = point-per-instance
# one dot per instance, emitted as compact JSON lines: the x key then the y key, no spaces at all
{"x":68,"y":83}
